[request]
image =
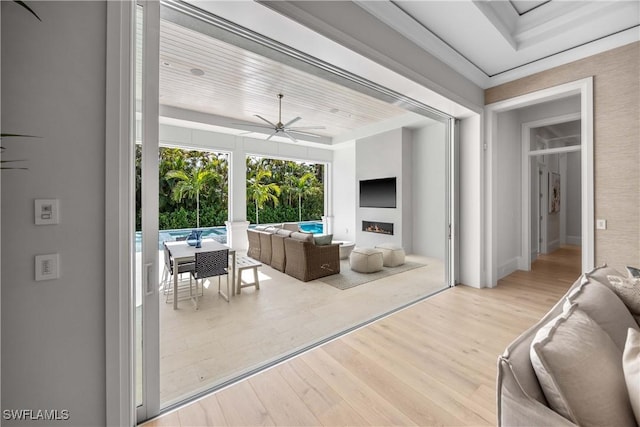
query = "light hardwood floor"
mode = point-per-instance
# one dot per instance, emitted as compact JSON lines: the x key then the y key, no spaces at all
{"x":202,"y":349}
{"x":433,"y":363}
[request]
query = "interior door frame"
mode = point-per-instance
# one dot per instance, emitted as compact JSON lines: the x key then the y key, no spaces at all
{"x":582,"y":87}
{"x":527,"y":155}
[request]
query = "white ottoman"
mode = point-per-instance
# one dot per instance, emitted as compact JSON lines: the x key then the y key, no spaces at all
{"x":392,"y":255}
{"x":366,"y":260}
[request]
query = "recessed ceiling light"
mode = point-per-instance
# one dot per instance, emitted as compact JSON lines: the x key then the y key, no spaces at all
{"x":197,"y":72}
{"x":334,"y":110}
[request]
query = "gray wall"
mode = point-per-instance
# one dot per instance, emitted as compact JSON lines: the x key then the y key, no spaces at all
{"x":429,"y":185}
{"x":53,"y":332}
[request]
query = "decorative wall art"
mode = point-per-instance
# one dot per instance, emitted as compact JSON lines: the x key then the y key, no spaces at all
{"x":554,"y":192}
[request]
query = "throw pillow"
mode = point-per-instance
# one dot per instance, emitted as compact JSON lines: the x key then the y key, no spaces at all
{"x":323,"y":239}
{"x":628,"y":289}
{"x":579,"y":370}
{"x":602,"y":304}
{"x":305,"y":237}
{"x":633,"y":271}
{"x":631,"y":368}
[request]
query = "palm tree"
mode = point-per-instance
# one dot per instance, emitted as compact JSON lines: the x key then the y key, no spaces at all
{"x":191,"y":185}
{"x":302,"y":187}
{"x":261,"y":192}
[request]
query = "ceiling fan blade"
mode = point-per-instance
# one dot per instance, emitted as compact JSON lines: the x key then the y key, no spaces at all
{"x":290,"y":136}
{"x":271,"y":136}
{"x":266,"y":121}
{"x":290,"y":122}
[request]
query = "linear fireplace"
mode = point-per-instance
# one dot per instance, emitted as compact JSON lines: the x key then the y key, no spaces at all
{"x":378,"y":227}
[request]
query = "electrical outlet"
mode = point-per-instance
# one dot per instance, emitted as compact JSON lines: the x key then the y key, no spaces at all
{"x":601,"y":224}
{"x":47,"y":267}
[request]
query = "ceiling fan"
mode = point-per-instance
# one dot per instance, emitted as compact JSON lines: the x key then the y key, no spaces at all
{"x":286,"y":128}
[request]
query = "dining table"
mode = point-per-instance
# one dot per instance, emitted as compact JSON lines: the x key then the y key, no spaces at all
{"x":181,"y":253}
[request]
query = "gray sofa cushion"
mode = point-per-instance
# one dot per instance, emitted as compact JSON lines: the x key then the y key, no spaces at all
{"x":628,"y":289}
{"x":305,"y":237}
{"x":603,"y":306}
{"x":580,"y":370}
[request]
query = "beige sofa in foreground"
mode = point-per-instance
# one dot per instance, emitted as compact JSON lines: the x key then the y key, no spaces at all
{"x":520,"y":396}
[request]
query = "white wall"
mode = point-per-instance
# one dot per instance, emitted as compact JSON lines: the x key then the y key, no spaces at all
{"x":509,"y":149}
{"x":381,"y":156}
{"x":572,"y":200}
{"x":429,"y":187}
{"x":345,"y":198}
{"x":471,"y":234}
{"x":53,"y":332}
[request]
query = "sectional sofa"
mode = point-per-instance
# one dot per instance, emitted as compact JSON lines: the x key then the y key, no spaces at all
{"x":293,"y":252}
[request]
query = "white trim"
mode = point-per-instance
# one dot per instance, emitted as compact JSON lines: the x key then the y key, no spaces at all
{"x":509,"y":267}
{"x":584,"y":88}
{"x":118,"y":293}
{"x":526,"y":175}
{"x":150,"y":184}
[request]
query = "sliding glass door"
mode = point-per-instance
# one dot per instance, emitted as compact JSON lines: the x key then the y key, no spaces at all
{"x":145,"y":261}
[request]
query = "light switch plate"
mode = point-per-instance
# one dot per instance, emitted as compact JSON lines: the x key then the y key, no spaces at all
{"x":46,"y":211}
{"x":47,"y":267}
{"x":601,"y":224}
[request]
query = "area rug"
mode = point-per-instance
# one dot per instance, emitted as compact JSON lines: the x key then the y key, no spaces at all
{"x":347,"y":278}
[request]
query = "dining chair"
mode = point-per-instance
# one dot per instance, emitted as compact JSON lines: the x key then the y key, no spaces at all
{"x":211,"y":264}
{"x":168,"y":272}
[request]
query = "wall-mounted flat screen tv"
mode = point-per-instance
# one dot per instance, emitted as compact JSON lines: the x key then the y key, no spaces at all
{"x":378,"y":193}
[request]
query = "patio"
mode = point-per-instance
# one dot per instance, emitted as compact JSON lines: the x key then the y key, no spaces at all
{"x":204,"y":348}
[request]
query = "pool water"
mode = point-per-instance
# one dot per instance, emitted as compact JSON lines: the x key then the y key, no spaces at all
{"x":311,"y":227}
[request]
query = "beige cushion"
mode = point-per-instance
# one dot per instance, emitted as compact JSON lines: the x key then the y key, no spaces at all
{"x":631,"y":369}
{"x":305,"y":237}
{"x":392,"y":255}
{"x":602,"y":305}
{"x":580,"y":370}
{"x":628,"y":289}
{"x":284,"y":232}
{"x":291,"y":226}
{"x":365,"y":260}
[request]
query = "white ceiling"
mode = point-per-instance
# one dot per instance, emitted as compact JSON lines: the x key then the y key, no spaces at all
{"x":491,"y":42}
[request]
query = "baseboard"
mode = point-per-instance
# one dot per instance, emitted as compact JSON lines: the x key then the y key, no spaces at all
{"x":574,"y":240}
{"x":554,"y":245}
{"x":508,"y":267}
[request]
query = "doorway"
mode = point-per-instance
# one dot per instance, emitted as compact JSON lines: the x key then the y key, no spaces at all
{"x":553,"y":176}
{"x":508,"y":213}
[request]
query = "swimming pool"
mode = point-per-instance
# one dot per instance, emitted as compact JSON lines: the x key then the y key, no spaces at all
{"x":314,"y":227}
{"x":219,"y":234}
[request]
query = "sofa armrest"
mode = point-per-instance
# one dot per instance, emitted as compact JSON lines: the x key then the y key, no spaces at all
{"x":305,"y":261}
{"x":516,"y":408}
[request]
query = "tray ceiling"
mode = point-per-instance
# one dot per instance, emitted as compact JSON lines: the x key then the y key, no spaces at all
{"x":491,"y":42}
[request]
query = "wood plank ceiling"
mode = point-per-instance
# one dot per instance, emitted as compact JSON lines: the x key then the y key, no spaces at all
{"x":204,"y":74}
